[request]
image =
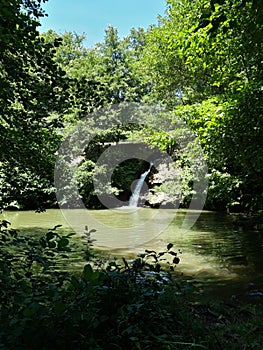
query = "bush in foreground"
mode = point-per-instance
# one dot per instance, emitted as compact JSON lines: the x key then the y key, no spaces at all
{"x":108,"y":305}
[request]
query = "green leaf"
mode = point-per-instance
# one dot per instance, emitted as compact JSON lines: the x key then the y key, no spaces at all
{"x":71,"y":234}
{"x":87,"y":272}
{"x":169,"y":246}
{"x":5,"y":223}
{"x":43,"y":242}
{"x":31,"y":310}
{"x":92,"y":231}
{"x":75,"y":282}
{"x":52,"y":244}
{"x":62,"y":243}
{"x":50,"y":235}
{"x":55,"y":227}
{"x":176,"y":260}
{"x":173,"y":253}
{"x":59,"y":307}
{"x":150,"y":251}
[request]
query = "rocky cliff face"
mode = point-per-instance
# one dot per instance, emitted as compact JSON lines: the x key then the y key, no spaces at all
{"x":164,"y":184}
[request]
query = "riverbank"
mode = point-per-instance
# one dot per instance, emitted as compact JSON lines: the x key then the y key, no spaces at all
{"x":248,"y":221}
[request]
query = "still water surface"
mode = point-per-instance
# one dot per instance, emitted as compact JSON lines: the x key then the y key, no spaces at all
{"x":213,"y":249}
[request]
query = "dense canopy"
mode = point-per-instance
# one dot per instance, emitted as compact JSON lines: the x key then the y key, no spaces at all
{"x":203,"y":63}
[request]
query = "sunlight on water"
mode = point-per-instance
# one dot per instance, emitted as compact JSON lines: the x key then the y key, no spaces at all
{"x":211,"y":249}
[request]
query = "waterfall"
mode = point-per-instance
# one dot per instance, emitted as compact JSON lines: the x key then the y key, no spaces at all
{"x":133,"y":202}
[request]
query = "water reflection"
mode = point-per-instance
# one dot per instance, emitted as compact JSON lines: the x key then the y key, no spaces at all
{"x":212,"y":249}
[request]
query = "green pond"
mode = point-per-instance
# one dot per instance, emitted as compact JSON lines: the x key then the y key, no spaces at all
{"x":213,"y":252}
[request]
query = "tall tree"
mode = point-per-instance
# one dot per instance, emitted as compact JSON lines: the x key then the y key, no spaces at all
{"x":205,"y":59}
{"x":31,"y":88}
{"x":97,"y":77}
{"x":118,"y":65}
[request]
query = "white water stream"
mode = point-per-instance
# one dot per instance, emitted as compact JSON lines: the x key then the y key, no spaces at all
{"x":133,"y":202}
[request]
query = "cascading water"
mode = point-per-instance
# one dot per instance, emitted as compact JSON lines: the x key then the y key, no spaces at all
{"x":134,"y":199}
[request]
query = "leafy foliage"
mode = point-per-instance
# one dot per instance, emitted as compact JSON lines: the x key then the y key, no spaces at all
{"x":202,"y":62}
{"x":30,"y":90}
{"x":205,"y":59}
{"x":109,"y":304}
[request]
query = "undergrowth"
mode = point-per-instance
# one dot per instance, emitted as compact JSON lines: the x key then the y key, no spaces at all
{"x":117,"y":304}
